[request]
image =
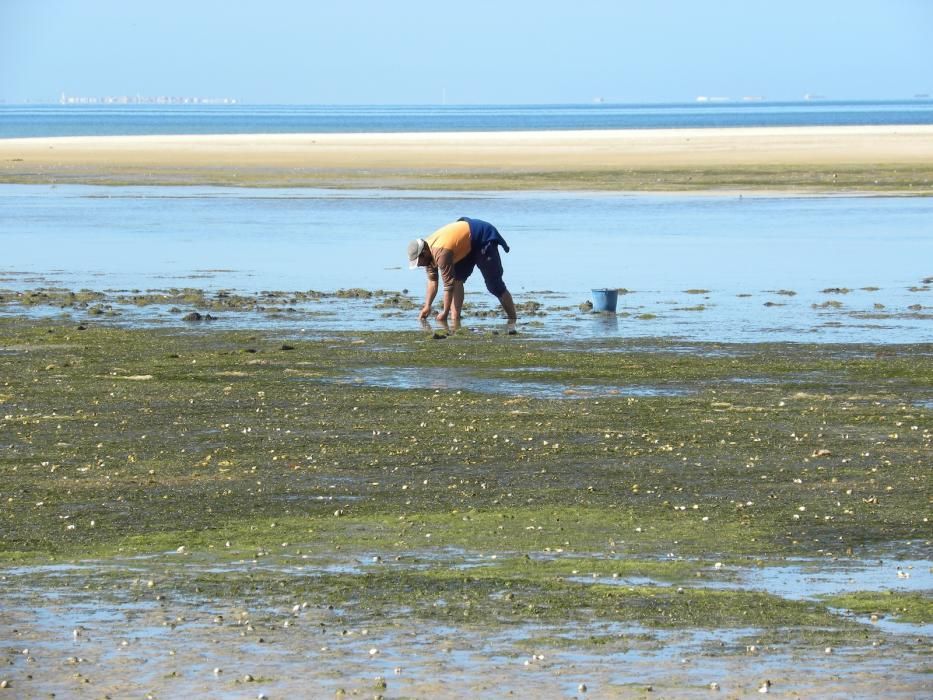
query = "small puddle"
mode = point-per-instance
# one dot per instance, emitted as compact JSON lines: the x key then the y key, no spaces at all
{"x":753,"y":381}
{"x":63,"y":571}
{"x":810,"y":580}
{"x":890,"y":624}
{"x":619,"y":581}
{"x":453,"y":379}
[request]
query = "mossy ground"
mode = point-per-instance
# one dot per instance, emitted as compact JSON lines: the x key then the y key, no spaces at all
{"x":907,"y":179}
{"x":120,"y":442}
{"x":906,"y":607}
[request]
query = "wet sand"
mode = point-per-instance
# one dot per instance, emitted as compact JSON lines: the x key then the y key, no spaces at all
{"x":875,"y":158}
{"x":124,"y":637}
{"x":174,"y":650}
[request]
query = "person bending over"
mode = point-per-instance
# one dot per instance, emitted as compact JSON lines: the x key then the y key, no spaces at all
{"x":451,"y":253}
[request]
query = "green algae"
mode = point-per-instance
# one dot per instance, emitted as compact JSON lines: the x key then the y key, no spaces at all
{"x":442,"y":595}
{"x":882,"y":178}
{"x":122,"y":442}
{"x":190,"y":297}
{"x":83,"y":390}
{"x":904,"y":607}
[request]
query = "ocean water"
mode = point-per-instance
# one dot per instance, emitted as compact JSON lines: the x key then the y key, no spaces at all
{"x":820,"y":269}
{"x":106,"y":120}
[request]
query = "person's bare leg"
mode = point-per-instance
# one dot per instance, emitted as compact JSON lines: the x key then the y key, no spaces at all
{"x":508,"y":305}
{"x":457,"y":301}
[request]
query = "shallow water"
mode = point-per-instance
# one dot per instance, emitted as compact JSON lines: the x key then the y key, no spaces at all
{"x":701,"y":267}
{"x":81,"y":623}
{"x":805,"y":579}
{"x":812,"y":579}
{"x":452,"y":379}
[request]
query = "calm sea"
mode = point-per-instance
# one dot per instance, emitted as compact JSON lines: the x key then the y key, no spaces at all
{"x":101,"y":120}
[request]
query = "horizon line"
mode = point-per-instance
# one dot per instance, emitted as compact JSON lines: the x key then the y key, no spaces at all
{"x":698,"y":100}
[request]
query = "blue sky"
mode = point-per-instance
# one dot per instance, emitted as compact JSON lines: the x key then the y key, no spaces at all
{"x":481,"y":51}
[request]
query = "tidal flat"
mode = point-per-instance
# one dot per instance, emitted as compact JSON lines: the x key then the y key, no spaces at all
{"x":240,"y":513}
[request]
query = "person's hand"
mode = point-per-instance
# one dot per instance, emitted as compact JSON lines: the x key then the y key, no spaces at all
{"x":442,"y":317}
{"x":425,"y":312}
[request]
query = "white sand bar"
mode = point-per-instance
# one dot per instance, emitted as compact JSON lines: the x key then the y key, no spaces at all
{"x":593,"y":152}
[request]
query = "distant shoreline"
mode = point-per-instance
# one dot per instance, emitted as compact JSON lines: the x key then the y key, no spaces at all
{"x":823,"y":159}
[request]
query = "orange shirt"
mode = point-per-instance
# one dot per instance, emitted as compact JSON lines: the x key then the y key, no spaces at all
{"x":449,"y":245}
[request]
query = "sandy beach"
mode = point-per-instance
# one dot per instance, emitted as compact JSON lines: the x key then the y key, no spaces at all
{"x":826,"y":159}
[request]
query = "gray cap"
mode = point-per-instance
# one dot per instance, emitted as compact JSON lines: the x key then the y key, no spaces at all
{"x":415,"y":248}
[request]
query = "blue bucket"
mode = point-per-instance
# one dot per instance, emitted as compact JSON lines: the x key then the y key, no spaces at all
{"x":605,"y":299}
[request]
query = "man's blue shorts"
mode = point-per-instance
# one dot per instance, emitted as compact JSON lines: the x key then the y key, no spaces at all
{"x":489,"y":263}
{"x":484,"y":253}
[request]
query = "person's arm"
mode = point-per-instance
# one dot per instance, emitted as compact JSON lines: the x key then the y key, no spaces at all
{"x":445,"y":266}
{"x":430,"y":293}
{"x":448,"y":302}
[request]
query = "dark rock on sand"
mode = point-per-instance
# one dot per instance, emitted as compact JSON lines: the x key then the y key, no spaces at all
{"x":195,"y":316}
